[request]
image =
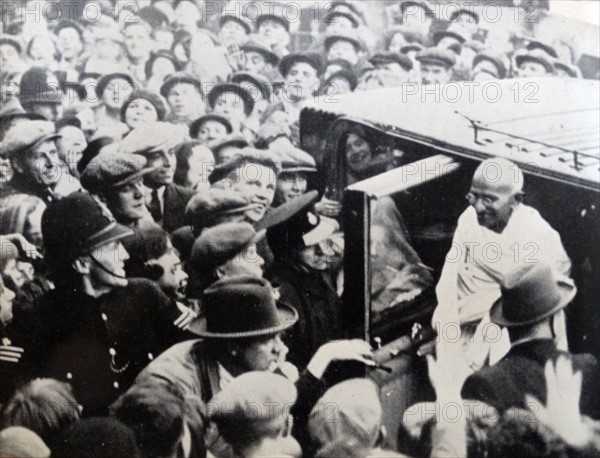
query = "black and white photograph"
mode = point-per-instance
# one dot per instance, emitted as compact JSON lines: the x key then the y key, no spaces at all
{"x":299,"y":229}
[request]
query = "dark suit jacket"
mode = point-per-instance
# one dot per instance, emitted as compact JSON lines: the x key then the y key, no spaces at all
{"x":521,"y":371}
{"x":176,"y":198}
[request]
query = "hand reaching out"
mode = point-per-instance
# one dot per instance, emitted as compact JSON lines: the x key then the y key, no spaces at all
{"x":340,"y":350}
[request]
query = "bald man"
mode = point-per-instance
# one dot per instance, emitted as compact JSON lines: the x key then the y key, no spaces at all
{"x":497,"y":238}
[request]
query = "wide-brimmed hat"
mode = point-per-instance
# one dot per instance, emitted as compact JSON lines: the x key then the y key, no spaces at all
{"x":196,"y":125}
{"x":77,"y":225}
{"x":241,"y":307}
{"x":531,"y":297}
{"x":112,"y":170}
{"x":236,"y":89}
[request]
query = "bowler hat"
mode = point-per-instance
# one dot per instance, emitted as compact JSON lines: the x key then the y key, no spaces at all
{"x":27,"y":135}
{"x":243,"y":306}
{"x":111,"y":170}
{"x":196,"y":125}
{"x":155,"y":99}
{"x":254,"y":46}
{"x":211,"y":207}
{"x":312,"y":59}
{"x":179,"y":78}
{"x":236,"y":89}
{"x":77,"y":225}
{"x":531,"y":297}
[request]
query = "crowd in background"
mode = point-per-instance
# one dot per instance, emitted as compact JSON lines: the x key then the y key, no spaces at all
{"x":166,"y":266}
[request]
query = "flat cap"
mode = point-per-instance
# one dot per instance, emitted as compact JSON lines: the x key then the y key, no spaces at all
{"x":437,"y":56}
{"x":235,"y":140}
{"x":571,"y":70}
{"x":340,"y":35}
{"x":537,"y":55}
{"x":233,"y":88}
{"x":27,"y":135}
{"x":179,"y":78}
{"x":259,"y":48}
{"x":151,"y":137}
{"x":218,"y":244}
{"x":246,"y":156}
{"x":352,"y":17}
{"x":461,"y":11}
{"x":293,"y":159}
{"x":196,"y":125}
{"x":493,"y":59}
{"x":418,"y":47}
{"x":215,"y":205}
{"x":312,"y":59}
{"x":112,"y":170}
{"x":383,"y":58}
{"x":108,"y":33}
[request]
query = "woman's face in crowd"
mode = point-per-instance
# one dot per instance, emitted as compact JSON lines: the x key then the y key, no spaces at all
{"x":230,"y":105}
{"x":211,"y":131}
{"x":9,"y":56}
{"x":128,"y":204}
{"x":42,"y":52}
{"x":69,"y":43}
{"x":140,"y":111}
{"x":201,"y":164}
{"x":163,"y":39}
{"x":290,"y":186}
{"x":115,"y":93}
{"x":358,"y":153}
{"x":184,"y":99}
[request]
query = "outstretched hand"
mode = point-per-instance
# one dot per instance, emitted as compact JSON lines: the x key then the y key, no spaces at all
{"x":340,"y":350}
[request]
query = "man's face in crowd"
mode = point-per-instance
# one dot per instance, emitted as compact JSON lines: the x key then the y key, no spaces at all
{"x":493,"y":202}
{"x":531,"y":69}
{"x":302,"y":81}
{"x":342,"y":49}
{"x":162,"y":67}
{"x":140,"y":111}
{"x":339,"y":24}
{"x":138,"y":41}
{"x":184,"y":100}
{"x":127,"y":202}
{"x":9,"y":57}
{"x":232,"y":33}
{"x":42,"y":52}
{"x":201,"y":165}
{"x":40,"y":165}
{"x":230,"y":105}
{"x":70,"y":44}
{"x":255,"y":62}
{"x":187,"y":14}
{"x":70,"y":146}
{"x":263,"y":353}
{"x":115,"y":93}
{"x":211,"y":131}
{"x":248,"y":262}
{"x":257,"y":182}
{"x":7,"y":296}
{"x":163,"y":39}
{"x":164,"y":163}
{"x":290,"y":185}
{"x":273,"y":33}
{"x":112,"y":257}
{"x":314,"y":257}
{"x":174,"y":279}
{"x":435,"y":73}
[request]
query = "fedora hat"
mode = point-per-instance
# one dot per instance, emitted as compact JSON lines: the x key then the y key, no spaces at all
{"x":534,"y":296}
{"x":241,"y":307}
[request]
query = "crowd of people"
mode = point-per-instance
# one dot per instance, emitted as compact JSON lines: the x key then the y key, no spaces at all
{"x":171,"y":281}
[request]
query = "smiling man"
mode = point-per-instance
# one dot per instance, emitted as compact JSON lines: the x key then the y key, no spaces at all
{"x":496,"y":236}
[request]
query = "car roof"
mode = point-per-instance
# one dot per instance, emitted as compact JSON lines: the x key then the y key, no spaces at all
{"x":550,"y":124}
